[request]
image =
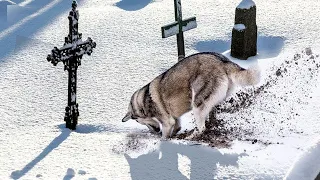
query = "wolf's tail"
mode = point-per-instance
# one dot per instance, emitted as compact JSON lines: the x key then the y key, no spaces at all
{"x":247,"y":77}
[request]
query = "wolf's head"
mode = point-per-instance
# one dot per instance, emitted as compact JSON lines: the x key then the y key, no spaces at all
{"x":136,"y":108}
{"x":139,"y":109}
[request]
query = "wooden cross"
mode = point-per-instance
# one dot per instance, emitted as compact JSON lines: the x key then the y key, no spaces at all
{"x":70,"y":55}
{"x":178,"y":27}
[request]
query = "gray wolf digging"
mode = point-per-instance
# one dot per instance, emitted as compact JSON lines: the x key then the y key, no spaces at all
{"x":198,"y":83}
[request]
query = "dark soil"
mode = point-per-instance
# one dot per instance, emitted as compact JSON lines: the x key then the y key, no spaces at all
{"x":215,"y":134}
{"x":136,"y":142}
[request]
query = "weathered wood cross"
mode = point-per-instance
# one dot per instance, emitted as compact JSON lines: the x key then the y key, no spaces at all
{"x":178,"y":27}
{"x":70,"y":55}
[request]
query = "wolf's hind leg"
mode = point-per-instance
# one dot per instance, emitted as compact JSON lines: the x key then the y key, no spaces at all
{"x":202,"y":105}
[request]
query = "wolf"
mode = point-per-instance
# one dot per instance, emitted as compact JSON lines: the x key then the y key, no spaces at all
{"x":196,"y":83}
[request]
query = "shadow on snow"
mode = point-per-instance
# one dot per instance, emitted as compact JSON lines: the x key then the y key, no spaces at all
{"x":71,"y":174}
{"x":54,"y":144}
{"x":267,"y":46}
{"x":132,"y":5}
{"x":203,"y":165}
{"x":102,"y":128}
{"x":31,"y":19}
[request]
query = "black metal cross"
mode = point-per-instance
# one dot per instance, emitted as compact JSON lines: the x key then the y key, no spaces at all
{"x":178,"y":27}
{"x":70,"y":55}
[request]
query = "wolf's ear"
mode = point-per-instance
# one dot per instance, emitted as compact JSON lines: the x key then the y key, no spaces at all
{"x":127,"y":117}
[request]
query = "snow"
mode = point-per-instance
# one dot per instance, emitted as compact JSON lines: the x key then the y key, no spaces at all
{"x":239,"y":27}
{"x":73,"y":98}
{"x":130,"y":52}
{"x":246,"y":4}
{"x":26,"y":2}
{"x":7,"y":2}
{"x":307,"y":166}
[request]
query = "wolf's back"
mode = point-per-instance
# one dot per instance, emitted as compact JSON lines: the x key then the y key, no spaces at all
{"x":239,"y":75}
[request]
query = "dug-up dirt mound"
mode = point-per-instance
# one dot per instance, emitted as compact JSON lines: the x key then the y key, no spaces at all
{"x":285,"y":87}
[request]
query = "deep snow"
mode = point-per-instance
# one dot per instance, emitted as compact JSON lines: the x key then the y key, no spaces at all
{"x":130,"y":52}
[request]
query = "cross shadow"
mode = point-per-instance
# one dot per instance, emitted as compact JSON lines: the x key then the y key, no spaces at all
{"x":29,"y":21}
{"x":54,"y":144}
{"x":203,"y":166}
{"x":267,"y":46}
{"x":101,"y":128}
{"x":132,"y":5}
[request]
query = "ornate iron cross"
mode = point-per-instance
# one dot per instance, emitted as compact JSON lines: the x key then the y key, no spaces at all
{"x":178,"y":27}
{"x":70,"y":55}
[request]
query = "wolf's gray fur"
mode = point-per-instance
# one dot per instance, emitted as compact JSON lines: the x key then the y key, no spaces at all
{"x":198,"y":83}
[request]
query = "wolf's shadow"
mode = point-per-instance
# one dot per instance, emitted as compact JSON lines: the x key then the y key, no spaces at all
{"x":204,"y":162}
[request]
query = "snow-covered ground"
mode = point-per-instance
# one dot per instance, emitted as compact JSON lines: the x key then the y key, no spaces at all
{"x":279,"y":126}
